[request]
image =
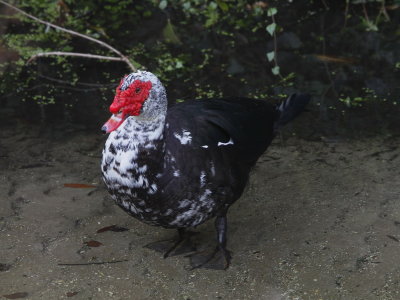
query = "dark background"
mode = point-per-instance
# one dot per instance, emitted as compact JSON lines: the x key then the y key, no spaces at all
{"x":346,"y":54}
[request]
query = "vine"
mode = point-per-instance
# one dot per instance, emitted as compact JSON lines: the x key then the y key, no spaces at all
{"x":272,"y":56}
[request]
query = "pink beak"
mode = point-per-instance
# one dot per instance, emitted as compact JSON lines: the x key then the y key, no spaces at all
{"x":113,"y":123}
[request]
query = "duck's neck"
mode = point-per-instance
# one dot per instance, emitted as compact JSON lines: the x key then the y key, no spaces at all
{"x":137,"y":131}
{"x":133,"y":150}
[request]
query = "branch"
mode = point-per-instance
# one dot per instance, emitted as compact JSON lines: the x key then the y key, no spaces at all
{"x":384,"y":11}
{"x":123,"y":57}
{"x":58,"y":53}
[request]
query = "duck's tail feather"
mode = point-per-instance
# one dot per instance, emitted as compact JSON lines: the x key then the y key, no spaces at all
{"x":290,"y":109}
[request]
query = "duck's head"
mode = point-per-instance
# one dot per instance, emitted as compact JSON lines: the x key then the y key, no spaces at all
{"x":139,"y":94}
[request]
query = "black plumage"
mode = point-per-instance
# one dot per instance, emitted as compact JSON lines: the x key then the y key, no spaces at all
{"x":179,"y":167}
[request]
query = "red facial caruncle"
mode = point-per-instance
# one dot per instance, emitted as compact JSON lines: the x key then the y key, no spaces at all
{"x":127,"y":103}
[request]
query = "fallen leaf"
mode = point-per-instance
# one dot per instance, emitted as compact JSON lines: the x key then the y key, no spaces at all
{"x":16,"y":295}
{"x":93,"y":243}
{"x":71,"y":294}
{"x":79,"y":185}
{"x":114,"y":228}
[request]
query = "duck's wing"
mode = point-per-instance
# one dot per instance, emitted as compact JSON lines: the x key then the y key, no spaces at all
{"x":242,"y":126}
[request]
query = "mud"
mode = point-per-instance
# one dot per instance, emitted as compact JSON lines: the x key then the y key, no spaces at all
{"x":320,"y":219}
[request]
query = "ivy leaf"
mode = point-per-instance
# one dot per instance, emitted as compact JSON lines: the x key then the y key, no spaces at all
{"x":271,"y":28}
{"x":163,"y":4}
{"x":271,"y":55}
{"x":275,"y":70}
{"x":272,"y":11}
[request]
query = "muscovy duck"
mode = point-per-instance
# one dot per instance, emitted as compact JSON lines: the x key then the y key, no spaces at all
{"x":179,"y":167}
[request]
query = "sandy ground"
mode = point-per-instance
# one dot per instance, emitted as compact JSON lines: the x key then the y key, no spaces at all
{"x":320,"y":220}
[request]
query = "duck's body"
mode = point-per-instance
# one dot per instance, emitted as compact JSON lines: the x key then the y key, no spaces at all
{"x":181,"y":167}
{"x":179,"y":171}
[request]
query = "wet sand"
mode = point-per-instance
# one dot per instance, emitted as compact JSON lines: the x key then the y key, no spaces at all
{"x":319,"y":220}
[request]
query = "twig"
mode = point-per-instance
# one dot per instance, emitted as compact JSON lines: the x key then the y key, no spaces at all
{"x":326,"y":5}
{"x":384,"y":11}
{"x":123,"y":57}
{"x":94,"y":263}
{"x":365,"y":13}
{"x":58,"y":53}
{"x":95,"y":85}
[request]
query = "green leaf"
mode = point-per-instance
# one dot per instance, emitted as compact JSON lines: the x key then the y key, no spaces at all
{"x":222,"y":5}
{"x":271,"y":55}
{"x":212,"y":5}
{"x":272,"y":11}
{"x":271,"y":28}
{"x":169,"y":33}
{"x":163,"y":4}
{"x":212,"y":14}
{"x":275,"y":70}
{"x":179,"y":65}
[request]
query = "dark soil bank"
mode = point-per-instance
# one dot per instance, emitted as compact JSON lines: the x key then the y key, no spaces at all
{"x":319,"y":220}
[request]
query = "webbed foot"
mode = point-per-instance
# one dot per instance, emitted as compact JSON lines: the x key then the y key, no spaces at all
{"x":181,"y":245}
{"x":216,"y":259}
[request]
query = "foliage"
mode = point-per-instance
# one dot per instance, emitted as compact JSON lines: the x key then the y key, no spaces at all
{"x":198,"y":48}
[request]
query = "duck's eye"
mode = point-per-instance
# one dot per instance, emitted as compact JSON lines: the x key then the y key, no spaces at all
{"x":137,"y":90}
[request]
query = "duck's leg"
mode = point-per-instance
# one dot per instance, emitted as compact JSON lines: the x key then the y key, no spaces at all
{"x":181,"y":245}
{"x":219,"y":258}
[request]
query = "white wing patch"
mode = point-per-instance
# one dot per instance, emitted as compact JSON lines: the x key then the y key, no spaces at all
{"x":202,"y":178}
{"x":153,"y":189}
{"x":185,"y":138}
{"x":230,"y":142}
